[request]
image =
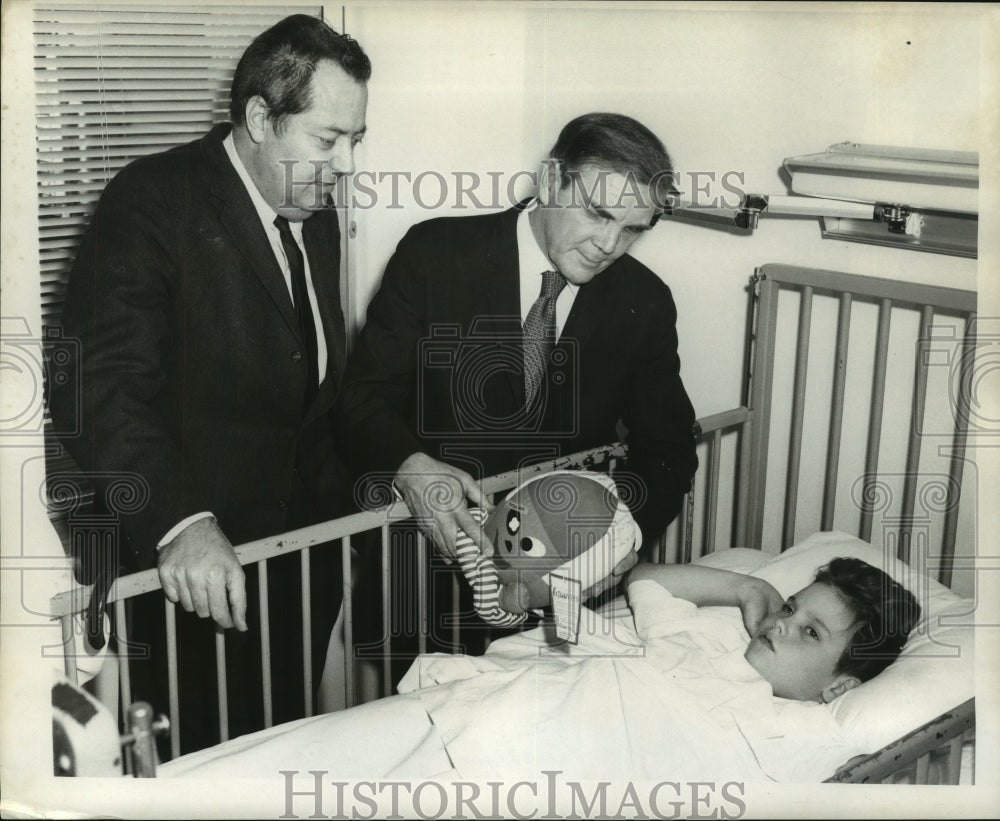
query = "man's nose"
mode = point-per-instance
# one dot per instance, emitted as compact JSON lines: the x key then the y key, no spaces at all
{"x":780,"y":627}
{"x":607,"y":238}
{"x":342,"y":158}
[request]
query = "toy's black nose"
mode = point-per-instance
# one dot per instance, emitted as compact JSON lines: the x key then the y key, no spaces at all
{"x":526,"y":545}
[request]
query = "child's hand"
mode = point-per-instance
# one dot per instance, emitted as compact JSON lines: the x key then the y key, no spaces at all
{"x":758,"y":599}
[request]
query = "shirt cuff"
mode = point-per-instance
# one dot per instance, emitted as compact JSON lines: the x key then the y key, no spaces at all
{"x":176,"y":530}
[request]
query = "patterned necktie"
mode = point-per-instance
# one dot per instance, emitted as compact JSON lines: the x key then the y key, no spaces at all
{"x":307,"y":325}
{"x":540,"y":333}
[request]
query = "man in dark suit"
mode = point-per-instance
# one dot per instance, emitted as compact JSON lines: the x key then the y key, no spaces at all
{"x":436,"y":394}
{"x":205,"y":298}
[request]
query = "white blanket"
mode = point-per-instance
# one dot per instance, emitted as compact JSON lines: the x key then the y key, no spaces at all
{"x":388,"y":738}
{"x":666,"y":697}
{"x":671,"y":697}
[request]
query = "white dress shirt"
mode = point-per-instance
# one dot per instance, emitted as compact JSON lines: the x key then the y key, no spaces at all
{"x":532,"y":264}
{"x":267,"y":215}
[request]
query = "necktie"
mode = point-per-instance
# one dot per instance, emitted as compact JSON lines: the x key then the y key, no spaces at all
{"x":540,"y":333}
{"x":300,"y":295}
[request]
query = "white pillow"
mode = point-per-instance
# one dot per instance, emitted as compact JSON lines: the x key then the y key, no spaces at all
{"x":934,"y":673}
{"x":737,"y":559}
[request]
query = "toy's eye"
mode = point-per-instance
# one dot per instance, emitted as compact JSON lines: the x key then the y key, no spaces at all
{"x":509,"y":545}
{"x":513,"y":523}
{"x":532,"y":547}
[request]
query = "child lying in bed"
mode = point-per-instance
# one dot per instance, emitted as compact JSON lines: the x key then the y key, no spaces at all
{"x":680,"y":687}
{"x":671,"y":691}
{"x":841,"y":630}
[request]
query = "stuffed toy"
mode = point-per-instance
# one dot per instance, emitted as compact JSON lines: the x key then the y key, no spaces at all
{"x":568,"y":522}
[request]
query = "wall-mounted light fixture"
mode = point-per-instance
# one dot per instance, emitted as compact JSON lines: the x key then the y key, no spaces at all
{"x":923,"y":199}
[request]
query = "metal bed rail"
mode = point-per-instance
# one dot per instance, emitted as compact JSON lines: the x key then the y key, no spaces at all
{"x":340,"y":532}
{"x":768,"y":283}
{"x":931,"y":754}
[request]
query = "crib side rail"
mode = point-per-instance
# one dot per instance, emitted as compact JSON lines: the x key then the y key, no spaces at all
{"x":709,"y":433}
{"x":893,"y":300}
{"x":145,"y":581}
{"x":333,"y":534}
{"x":66,"y":605}
{"x":943,"y":735}
{"x":707,"y":429}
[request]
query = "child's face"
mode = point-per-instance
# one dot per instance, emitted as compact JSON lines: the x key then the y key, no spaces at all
{"x":797,"y":648}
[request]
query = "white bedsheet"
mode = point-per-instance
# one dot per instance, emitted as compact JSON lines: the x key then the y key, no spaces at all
{"x":389,"y":738}
{"x":671,"y":698}
{"x":668,"y":697}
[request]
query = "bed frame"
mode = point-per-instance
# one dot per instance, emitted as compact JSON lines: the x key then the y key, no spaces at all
{"x":718,"y":510}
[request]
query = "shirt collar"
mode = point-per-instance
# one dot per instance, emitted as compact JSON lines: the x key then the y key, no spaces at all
{"x":530,"y":258}
{"x":264,"y":211}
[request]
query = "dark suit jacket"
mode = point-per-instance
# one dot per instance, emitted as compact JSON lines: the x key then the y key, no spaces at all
{"x":190,"y":376}
{"x":438,"y":367}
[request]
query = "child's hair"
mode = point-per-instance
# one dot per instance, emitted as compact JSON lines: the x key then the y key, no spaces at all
{"x":884,"y":613}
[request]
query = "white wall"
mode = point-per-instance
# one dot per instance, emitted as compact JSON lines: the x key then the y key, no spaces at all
{"x":483,"y":87}
{"x":446,"y":97}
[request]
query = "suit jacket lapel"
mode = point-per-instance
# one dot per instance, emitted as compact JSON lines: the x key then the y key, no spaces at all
{"x":503,"y":294}
{"x":594,"y":302}
{"x":584,"y":313}
{"x":240,"y":218}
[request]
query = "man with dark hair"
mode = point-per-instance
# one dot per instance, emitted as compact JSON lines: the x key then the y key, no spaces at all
{"x":205,"y":297}
{"x":503,"y":339}
{"x":621,"y":145}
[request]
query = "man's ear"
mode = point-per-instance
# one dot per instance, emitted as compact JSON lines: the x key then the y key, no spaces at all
{"x":549,"y":181}
{"x":257,"y":118}
{"x":839,"y":686}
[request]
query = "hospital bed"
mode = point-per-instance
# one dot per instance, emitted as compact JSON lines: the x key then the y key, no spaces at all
{"x":890,"y":493}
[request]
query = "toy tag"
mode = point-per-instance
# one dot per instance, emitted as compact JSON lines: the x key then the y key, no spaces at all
{"x":566,"y":603}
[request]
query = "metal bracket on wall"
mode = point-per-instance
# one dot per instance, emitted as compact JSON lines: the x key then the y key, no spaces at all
{"x":937,"y":231}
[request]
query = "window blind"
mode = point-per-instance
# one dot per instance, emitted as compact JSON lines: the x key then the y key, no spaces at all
{"x":112,"y":83}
